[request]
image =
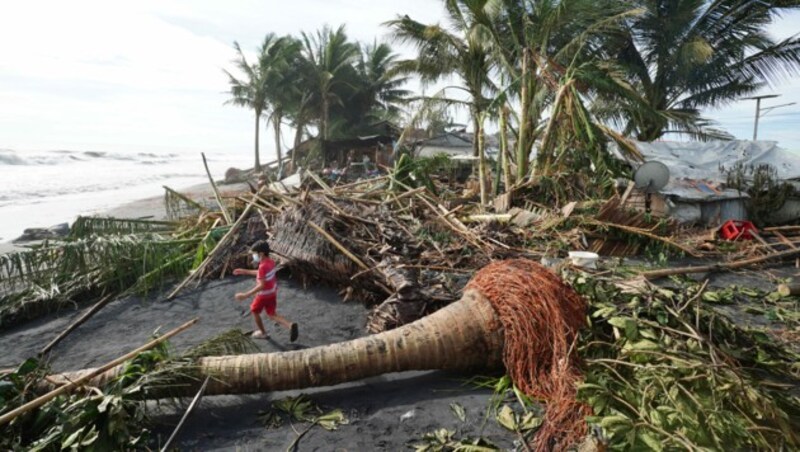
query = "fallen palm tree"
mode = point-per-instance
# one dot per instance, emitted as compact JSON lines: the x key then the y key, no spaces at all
{"x":512,"y":312}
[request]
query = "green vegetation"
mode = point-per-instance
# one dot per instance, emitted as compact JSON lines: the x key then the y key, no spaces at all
{"x":668,"y":371}
{"x":102,"y":256}
{"x":321,"y":79}
{"x":114,"y":417}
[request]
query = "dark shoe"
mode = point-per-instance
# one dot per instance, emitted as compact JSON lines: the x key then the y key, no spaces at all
{"x":293,"y":332}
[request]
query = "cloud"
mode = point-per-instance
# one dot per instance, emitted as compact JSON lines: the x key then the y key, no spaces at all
{"x":91,"y":73}
{"x":779,"y":125}
{"x":127,"y":75}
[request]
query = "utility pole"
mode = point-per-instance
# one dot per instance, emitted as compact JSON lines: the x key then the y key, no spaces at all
{"x":758,"y":110}
{"x":765,"y":110}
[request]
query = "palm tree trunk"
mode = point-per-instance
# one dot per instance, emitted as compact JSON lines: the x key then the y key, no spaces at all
{"x":547,"y":152}
{"x":298,"y":137}
{"x":505,"y":153}
{"x":482,"y":161}
{"x":276,"y":126}
{"x":324,"y":131}
{"x":475,"y":127}
{"x":464,"y":335}
{"x":258,"y":124}
{"x":523,"y":151}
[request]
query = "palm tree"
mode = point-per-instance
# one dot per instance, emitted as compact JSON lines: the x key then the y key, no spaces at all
{"x":683,"y":56}
{"x":284,"y":66}
{"x":252,"y":90}
{"x":329,"y":58}
{"x":547,"y":56}
{"x":381,"y":92}
{"x":459,"y":51}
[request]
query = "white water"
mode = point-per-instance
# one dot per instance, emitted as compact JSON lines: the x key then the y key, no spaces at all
{"x":45,"y":188}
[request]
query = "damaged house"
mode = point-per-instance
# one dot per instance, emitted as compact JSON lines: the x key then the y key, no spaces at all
{"x":698,"y":190}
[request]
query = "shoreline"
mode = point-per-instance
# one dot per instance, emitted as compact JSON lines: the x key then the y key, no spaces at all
{"x":150,"y":207}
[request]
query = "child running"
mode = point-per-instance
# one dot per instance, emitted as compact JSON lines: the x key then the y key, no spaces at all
{"x":265,"y":291}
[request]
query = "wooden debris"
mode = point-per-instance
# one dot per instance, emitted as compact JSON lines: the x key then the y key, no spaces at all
{"x":721,"y":266}
{"x":70,"y":385}
{"x":221,"y":204}
{"x":83,"y":318}
{"x":789,"y":289}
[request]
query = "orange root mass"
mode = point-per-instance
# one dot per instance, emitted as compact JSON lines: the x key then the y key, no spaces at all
{"x":541,"y":318}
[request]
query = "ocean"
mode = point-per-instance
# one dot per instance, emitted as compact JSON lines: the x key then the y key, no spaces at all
{"x":45,"y":188}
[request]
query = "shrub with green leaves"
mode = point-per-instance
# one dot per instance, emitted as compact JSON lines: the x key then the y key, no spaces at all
{"x":665,"y":370}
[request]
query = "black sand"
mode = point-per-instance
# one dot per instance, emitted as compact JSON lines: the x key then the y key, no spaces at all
{"x":374,"y":407}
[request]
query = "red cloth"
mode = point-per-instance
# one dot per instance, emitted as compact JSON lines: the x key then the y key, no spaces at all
{"x":264,"y":302}
{"x":266,"y":275}
{"x":267,"y":297}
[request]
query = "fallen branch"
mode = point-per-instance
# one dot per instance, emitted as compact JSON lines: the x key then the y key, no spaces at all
{"x":216,"y":249}
{"x":39,"y":401}
{"x":189,"y":410}
{"x":222,"y":207}
{"x":338,"y":245}
{"x":719,"y":267}
{"x":325,"y":187}
{"x":644,"y":233}
{"x":83,"y":318}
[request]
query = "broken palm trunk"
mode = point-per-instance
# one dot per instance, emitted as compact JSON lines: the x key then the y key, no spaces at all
{"x":515,"y":312}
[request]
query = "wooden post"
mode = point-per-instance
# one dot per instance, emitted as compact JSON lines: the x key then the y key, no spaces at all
{"x":789,"y":289}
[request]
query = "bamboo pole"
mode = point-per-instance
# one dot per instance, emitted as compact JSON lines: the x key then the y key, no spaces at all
{"x":222,"y":207}
{"x":338,"y":245}
{"x":723,"y":266}
{"x":219,"y":246}
{"x":83,"y":318}
{"x":189,"y":410}
{"x":325,"y":187}
{"x":340,"y":188}
{"x":789,"y":243}
{"x":39,"y":401}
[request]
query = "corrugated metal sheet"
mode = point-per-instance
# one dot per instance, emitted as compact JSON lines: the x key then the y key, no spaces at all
{"x":717,"y":212}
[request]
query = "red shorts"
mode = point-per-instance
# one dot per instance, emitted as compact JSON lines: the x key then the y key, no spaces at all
{"x":265,"y":302}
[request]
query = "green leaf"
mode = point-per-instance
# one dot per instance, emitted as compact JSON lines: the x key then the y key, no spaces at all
{"x":332,"y":420}
{"x":644,"y":344}
{"x":458,"y":411}
{"x":90,"y":437}
{"x":28,"y":366}
{"x":71,"y":439}
{"x":529,"y":422}
{"x":505,"y":417}
{"x":650,"y":440}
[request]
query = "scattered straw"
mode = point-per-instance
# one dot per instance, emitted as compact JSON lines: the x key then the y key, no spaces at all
{"x":541,"y":317}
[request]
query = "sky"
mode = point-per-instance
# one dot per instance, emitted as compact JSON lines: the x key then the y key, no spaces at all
{"x":147,"y":74}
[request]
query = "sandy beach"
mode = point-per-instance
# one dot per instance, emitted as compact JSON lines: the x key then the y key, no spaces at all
{"x":389,"y":412}
{"x":385,"y":413}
